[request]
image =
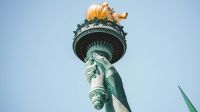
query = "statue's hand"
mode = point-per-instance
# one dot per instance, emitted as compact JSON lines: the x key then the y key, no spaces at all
{"x":93,"y":68}
{"x":98,"y":63}
{"x":107,"y":66}
{"x":103,"y":61}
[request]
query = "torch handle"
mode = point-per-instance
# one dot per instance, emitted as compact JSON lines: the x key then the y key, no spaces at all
{"x":98,"y":94}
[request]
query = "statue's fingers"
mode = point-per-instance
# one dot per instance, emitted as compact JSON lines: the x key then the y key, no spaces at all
{"x":90,"y":68}
{"x":89,"y":62}
{"x":98,"y":58}
{"x":102,"y":60}
{"x":90,"y":74}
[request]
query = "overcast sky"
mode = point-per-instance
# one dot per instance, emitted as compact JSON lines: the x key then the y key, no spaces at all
{"x":39,"y":71}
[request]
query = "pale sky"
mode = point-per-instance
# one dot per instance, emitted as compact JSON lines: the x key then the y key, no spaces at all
{"x":39,"y":71}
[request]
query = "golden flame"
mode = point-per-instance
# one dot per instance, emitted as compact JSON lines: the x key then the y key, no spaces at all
{"x":104,"y":11}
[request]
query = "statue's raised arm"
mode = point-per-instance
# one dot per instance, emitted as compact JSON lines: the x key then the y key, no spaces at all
{"x":116,"y":101}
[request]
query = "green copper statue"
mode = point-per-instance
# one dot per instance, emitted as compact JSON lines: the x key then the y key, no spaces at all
{"x":109,"y":80}
{"x":100,"y":41}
